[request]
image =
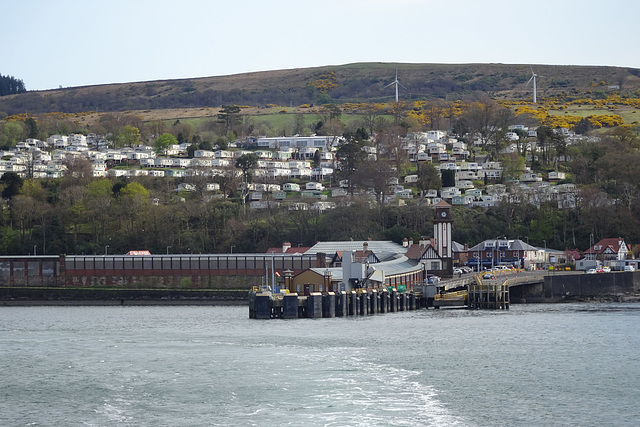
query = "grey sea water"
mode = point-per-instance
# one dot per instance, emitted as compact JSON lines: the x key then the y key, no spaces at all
{"x":534,"y":365}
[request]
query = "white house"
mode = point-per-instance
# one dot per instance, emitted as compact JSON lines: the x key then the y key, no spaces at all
{"x":314,"y":186}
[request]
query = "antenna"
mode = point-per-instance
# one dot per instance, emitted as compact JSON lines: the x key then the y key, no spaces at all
{"x":533,"y":77}
{"x":396,"y":83}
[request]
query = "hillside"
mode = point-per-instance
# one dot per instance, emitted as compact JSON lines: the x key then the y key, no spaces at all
{"x":362,"y":82}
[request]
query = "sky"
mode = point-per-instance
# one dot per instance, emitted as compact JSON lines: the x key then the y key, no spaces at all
{"x":54,"y":43}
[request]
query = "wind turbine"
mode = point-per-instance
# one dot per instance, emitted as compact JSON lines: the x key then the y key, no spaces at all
{"x":397,"y":83}
{"x":533,"y":77}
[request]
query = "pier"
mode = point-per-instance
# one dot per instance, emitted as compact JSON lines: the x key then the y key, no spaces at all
{"x":264,"y":304}
{"x":483,"y":294}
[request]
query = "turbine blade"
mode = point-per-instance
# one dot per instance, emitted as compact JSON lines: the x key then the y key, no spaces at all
{"x":527,"y":83}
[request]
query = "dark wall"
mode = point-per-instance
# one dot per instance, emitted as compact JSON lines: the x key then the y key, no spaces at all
{"x":578,"y":286}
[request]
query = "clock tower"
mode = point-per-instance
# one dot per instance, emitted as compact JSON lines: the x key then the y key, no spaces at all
{"x":442,"y":225}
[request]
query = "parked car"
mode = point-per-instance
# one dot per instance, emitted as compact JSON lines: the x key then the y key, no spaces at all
{"x":591,"y":271}
{"x":629,"y":268}
{"x":488,"y":276}
{"x":606,"y":269}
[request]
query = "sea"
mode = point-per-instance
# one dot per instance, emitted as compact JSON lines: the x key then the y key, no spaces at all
{"x":533,"y":365}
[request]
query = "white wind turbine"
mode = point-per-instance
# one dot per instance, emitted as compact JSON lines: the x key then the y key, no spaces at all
{"x":533,"y":77}
{"x":397,"y":83}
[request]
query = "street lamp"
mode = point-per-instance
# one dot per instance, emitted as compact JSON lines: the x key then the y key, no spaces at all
{"x":545,"y":253}
{"x":232,"y":248}
{"x":34,"y":249}
{"x":168,"y":247}
{"x":105,"y":249}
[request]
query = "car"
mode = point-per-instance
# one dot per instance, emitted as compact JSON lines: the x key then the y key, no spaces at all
{"x":591,"y":271}
{"x":488,"y":276}
{"x":606,"y":269}
{"x":629,"y":268}
{"x":457,"y":271}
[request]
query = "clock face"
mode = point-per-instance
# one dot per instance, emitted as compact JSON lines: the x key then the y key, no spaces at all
{"x":443,"y":214}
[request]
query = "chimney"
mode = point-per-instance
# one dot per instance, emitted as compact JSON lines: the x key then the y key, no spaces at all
{"x":405,"y":243}
{"x":365,"y":247}
{"x":286,"y":246}
{"x":321,"y":260}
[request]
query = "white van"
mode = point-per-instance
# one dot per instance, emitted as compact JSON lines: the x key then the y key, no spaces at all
{"x":629,"y":268}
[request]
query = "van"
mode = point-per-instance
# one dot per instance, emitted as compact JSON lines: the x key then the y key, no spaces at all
{"x":629,"y":268}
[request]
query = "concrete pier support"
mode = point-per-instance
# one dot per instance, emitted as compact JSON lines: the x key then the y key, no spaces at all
{"x":394,"y":301}
{"x":384,"y":302}
{"x":329,"y":305}
{"x":341,"y":304}
{"x":403,"y":302}
{"x":314,"y":305}
{"x":373,"y":301}
{"x":290,"y":306}
{"x":262,"y":306}
{"x":412,"y":301}
{"x":353,"y":303}
{"x":363,"y":304}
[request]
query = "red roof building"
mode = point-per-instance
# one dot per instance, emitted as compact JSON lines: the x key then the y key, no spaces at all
{"x":608,"y":249}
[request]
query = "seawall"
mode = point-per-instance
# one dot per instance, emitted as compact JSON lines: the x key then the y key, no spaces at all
{"x":614,"y":286}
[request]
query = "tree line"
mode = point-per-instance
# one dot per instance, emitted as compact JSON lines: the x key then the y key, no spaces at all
{"x":10,"y":85}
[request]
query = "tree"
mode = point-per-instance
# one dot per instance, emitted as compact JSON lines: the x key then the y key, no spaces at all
{"x":229,"y":115}
{"x":12,"y":184}
{"x":246,"y":163}
{"x":330,"y":112}
{"x":374,"y":176}
{"x":163,"y":142}
{"x":32,"y":127}
{"x":486,"y":121}
{"x":428,"y":177}
{"x":9,"y":85}
{"x":13,"y":132}
{"x":131,"y":136}
{"x":512,"y":166}
{"x":350,"y":155}
{"x":448,"y":178}
{"x":370,"y":114}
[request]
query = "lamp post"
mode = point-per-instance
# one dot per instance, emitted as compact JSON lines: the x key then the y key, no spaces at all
{"x":34,"y":249}
{"x":232,"y":248}
{"x":105,"y":249}
{"x":545,"y":253}
{"x":168,"y":247}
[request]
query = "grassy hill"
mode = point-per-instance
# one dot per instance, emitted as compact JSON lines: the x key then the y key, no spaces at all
{"x":361,"y":82}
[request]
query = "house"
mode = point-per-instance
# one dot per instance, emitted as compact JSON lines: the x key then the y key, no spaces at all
{"x":462,"y":200}
{"x":425,"y":251}
{"x":608,"y":250}
{"x":314,"y":186}
{"x":289,"y":186}
{"x":338,"y":192}
{"x":557,"y":176}
{"x":530,"y":177}
{"x":323,"y":206}
{"x":404,"y":194}
{"x":493,"y":252}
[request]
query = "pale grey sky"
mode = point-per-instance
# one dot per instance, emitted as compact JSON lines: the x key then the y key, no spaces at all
{"x":68,"y":43}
